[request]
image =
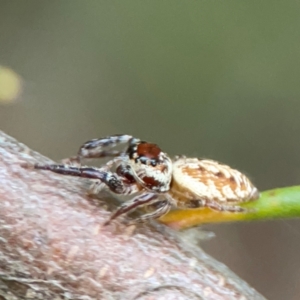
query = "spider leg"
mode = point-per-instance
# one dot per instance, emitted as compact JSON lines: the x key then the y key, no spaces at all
{"x":226,"y":208}
{"x":197,"y":203}
{"x":112,"y":180}
{"x":162,"y":209}
{"x":101,"y":147}
{"x":133,"y":204}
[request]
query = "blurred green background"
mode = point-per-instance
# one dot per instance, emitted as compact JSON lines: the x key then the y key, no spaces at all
{"x":215,"y":79}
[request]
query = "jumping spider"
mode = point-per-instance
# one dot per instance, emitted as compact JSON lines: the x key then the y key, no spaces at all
{"x":158,"y":181}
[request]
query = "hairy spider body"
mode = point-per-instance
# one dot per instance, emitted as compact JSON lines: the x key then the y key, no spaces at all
{"x":150,"y":167}
{"x":201,"y":182}
{"x":158,"y":182}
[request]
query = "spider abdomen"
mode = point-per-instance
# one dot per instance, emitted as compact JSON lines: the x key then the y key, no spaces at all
{"x":208,"y":180}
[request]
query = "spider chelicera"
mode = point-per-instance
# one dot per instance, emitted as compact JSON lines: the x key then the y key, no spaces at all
{"x":158,"y":181}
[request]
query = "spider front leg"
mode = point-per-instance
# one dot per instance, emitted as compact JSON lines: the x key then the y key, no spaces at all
{"x":98,"y":148}
{"x":112,"y":180}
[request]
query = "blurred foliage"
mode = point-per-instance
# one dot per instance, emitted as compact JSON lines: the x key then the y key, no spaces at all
{"x":10,"y":85}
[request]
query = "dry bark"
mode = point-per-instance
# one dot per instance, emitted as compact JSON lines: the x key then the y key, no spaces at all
{"x":53,"y":247}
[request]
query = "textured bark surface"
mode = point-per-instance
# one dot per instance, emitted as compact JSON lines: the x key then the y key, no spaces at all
{"x":53,"y":247}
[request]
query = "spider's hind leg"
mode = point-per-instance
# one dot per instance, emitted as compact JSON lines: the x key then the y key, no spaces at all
{"x":215,"y":205}
{"x":226,"y":208}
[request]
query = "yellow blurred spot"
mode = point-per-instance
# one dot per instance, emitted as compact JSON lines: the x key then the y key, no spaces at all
{"x":10,"y":85}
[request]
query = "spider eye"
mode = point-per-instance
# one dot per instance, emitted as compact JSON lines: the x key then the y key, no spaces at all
{"x":153,"y":163}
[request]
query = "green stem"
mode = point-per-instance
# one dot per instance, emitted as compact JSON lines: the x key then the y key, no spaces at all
{"x":273,"y":204}
{"x":278,"y":203}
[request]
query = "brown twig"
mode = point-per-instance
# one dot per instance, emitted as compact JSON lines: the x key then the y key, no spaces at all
{"x":53,"y":247}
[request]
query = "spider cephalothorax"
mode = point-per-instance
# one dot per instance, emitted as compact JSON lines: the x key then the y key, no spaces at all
{"x":151,"y":167}
{"x":159,"y":182}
